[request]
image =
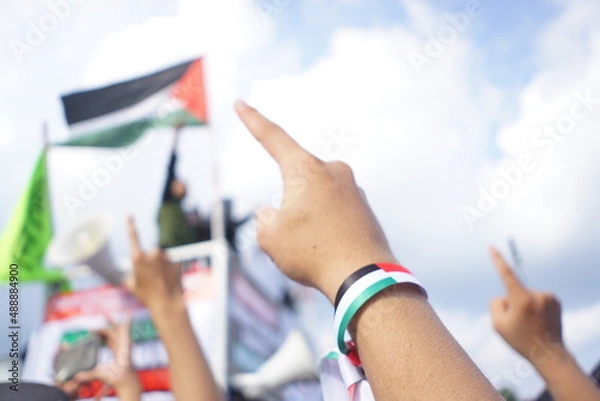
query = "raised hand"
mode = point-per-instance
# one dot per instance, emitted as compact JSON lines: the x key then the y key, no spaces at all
{"x":324,"y":230}
{"x":527,"y":320}
{"x":118,"y":374}
{"x":530,"y":322}
{"x":155,"y":281}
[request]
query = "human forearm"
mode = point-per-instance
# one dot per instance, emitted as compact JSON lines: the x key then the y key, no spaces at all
{"x":191,"y":378}
{"x":406,"y":351}
{"x":130,"y":388}
{"x":565,"y":379}
{"x":408,"y":354}
{"x":156,"y":281}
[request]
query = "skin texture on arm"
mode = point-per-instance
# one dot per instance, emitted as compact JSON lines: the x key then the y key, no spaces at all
{"x":530,"y":322}
{"x":323,"y":232}
{"x":156,"y":281}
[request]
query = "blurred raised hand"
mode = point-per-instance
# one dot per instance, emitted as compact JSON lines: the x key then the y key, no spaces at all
{"x":530,"y":322}
{"x":525,"y":319}
{"x":156,"y":281}
{"x":118,"y":374}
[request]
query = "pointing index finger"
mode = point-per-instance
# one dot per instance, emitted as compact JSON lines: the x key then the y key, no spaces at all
{"x":509,"y":278}
{"x":272,"y":137}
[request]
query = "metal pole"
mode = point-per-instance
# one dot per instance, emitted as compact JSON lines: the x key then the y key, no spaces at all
{"x":47,"y":147}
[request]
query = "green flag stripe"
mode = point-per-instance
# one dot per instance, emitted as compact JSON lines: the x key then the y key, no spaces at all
{"x":127,"y":134}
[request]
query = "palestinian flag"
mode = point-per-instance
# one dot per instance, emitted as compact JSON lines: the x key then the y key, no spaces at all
{"x":117,"y":115}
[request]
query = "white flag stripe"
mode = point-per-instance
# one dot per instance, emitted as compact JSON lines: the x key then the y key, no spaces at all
{"x":338,"y":376}
{"x":402,"y":277}
{"x":353,"y":292}
{"x":158,"y":105}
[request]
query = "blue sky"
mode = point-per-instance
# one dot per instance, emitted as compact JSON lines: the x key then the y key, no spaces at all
{"x":423,"y":144}
{"x":506,"y":30}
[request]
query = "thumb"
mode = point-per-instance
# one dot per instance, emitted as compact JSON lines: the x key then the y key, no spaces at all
{"x":265,"y":218}
{"x":129,"y":282}
{"x":87,"y":376}
{"x":498,"y":309}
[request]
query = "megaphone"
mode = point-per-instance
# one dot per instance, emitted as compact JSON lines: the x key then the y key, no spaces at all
{"x":292,"y":362}
{"x":87,"y":243}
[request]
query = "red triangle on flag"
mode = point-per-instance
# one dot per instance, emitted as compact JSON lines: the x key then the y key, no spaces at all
{"x":191,"y":92}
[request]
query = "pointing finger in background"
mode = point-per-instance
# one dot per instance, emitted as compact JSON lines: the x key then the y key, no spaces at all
{"x":513,"y":285}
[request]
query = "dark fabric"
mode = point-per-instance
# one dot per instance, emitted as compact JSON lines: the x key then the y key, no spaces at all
{"x":31,"y":392}
{"x":175,"y":228}
{"x":89,"y":104}
{"x":353,"y":278}
{"x":167,"y":196}
{"x":596,"y":374}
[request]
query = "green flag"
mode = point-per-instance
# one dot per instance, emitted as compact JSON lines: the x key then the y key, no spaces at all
{"x":28,"y":232}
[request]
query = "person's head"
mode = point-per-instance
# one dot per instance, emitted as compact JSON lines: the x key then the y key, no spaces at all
{"x":178,"y":189}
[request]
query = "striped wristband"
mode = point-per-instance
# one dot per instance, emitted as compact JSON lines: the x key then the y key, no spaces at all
{"x":361,"y":286}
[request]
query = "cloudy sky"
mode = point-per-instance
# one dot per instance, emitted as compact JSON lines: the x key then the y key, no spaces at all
{"x":466,"y":123}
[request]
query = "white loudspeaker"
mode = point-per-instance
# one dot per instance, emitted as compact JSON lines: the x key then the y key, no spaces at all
{"x":87,"y":243}
{"x":292,"y":362}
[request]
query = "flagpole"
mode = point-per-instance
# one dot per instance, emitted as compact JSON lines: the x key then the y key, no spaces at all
{"x":46,"y":139}
{"x":218,"y":217}
{"x":217,"y":226}
{"x":222,"y":255}
{"x":53,"y":288}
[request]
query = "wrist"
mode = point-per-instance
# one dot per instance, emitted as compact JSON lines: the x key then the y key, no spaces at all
{"x":333,"y":275}
{"x":365,"y":284}
{"x":128,"y":386}
{"x":549,"y":359}
{"x":167,"y":310}
{"x":170,"y":320}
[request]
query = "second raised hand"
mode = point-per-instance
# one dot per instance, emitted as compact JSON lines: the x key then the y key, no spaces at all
{"x":525,"y":319}
{"x":155,"y":280}
{"x":324,"y":230}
